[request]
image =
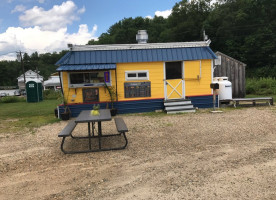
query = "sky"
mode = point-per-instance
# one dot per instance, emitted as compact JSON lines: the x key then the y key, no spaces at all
{"x":49,"y":25}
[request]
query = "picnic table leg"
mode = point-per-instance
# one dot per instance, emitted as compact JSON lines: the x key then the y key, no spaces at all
{"x":100,"y":134}
{"x":93,"y":127}
{"x":89,"y":135}
{"x":61,"y":146}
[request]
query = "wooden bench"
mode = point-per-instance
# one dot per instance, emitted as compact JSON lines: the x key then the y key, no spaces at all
{"x":68,"y":129}
{"x":236,"y":102}
{"x":121,"y":125}
{"x":122,"y":129}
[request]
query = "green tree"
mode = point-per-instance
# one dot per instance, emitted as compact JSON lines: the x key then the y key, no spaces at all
{"x":186,"y":21}
{"x":45,"y":63}
{"x":245,"y":30}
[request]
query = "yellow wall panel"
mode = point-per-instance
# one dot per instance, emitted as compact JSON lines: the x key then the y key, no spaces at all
{"x":201,"y":86}
{"x":192,"y":69}
{"x":156,"y":76}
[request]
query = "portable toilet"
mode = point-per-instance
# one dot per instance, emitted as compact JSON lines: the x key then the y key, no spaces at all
{"x":34,"y":91}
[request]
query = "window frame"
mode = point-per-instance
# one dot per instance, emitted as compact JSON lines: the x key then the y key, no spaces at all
{"x":137,"y":78}
{"x":83,"y":85}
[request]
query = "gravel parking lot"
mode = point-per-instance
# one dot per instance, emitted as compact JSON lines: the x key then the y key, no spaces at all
{"x":203,"y":155}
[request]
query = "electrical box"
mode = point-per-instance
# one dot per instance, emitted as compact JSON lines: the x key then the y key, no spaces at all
{"x":218,"y":60}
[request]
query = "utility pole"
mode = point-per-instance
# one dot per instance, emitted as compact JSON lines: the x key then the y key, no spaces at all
{"x":19,"y":58}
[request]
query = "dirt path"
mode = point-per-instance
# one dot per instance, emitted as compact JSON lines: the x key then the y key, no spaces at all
{"x":230,"y":155}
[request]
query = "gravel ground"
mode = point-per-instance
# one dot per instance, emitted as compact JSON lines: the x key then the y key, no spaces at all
{"x":229,"y":155}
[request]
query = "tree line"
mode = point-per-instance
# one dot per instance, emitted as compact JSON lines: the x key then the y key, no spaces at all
{"x":242,"y":29}
{"x":44,"y":63}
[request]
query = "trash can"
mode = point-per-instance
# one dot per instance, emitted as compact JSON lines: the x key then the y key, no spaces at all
{"x":34,"y":91}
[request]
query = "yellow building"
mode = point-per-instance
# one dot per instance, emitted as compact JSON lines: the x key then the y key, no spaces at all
{"x":143,"y":77}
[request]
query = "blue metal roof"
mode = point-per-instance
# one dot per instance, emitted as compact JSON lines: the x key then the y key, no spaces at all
{"x":135,"y":55}
{"x":86,"y":67}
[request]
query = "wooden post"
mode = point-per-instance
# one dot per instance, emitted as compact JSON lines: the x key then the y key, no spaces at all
{"x":214,"y":99}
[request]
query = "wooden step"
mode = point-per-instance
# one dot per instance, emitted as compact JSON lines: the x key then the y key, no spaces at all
{"x":178,"y":103}
{"x":175,"y":100}
{"x":171,"y":108}
{"x":181,"y":111}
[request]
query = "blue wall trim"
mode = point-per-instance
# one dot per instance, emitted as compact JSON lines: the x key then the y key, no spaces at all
{"x":203,"y":101}
{"x":139,"y":106}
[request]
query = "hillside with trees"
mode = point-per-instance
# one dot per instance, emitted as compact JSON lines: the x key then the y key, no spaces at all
{"x":243,"y":29}
{"x":44,"y":63}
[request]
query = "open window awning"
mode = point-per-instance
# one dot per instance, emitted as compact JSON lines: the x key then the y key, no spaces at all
{"x":86,"y":67}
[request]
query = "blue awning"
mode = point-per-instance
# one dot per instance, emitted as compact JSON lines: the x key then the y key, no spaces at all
{"x":86,"y":67}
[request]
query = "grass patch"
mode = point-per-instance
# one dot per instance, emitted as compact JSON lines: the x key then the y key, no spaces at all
{"x":22,"y":116}
{"x":24,"y":109}
{"x":261,"y":86}
{"x":12,"y":99}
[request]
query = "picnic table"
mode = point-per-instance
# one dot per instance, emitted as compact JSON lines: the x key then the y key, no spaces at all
{"x":86,"y":117}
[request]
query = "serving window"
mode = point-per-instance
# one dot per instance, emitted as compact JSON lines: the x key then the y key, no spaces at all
{"x":81,"y":79}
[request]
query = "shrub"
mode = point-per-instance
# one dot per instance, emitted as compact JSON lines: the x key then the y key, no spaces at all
{"x":51,"y":94}
{"x":261,"y":86}
{"x":12,"y":99}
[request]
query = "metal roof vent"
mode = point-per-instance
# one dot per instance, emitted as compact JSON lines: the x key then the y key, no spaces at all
{"x":142,"y":37}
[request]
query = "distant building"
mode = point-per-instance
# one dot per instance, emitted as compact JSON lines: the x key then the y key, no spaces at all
{"x":52,"y":83}
{"x":30,"y":76}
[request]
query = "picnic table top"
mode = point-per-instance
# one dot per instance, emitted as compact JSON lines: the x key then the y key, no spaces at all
{"x":86,"y":116}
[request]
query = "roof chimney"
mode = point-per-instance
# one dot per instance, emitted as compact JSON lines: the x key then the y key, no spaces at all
{"x":142,"y":37}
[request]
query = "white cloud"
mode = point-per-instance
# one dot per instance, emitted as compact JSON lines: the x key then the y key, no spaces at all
{"x":164,"y":13}
{"x":54,"y":19}
{"x":18,"y":8}
{"x":149,"y":17}
{"x":82,"y":10}
{"x":41,"y":1}
{"x":36,"y":39}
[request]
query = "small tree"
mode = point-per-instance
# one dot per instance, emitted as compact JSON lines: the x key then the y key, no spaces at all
{"x":67,"y":112}
{"x":112,"y":94}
